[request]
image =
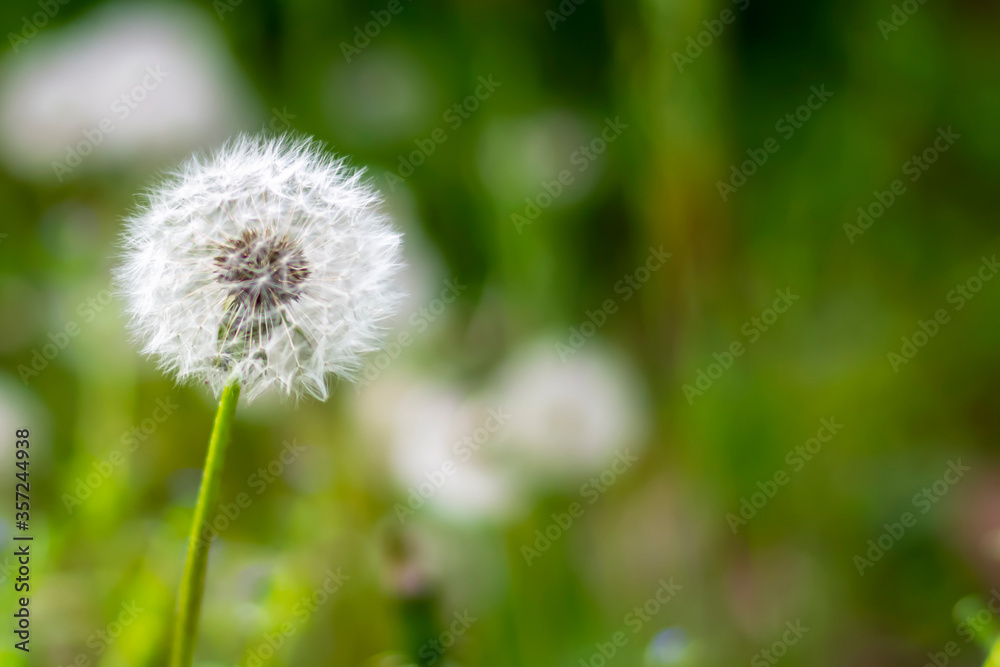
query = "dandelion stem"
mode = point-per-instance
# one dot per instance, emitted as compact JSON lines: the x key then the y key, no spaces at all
{"x":193,"y":582}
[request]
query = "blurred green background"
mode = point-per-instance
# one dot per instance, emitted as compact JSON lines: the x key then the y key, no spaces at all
{"x":574,"y":450}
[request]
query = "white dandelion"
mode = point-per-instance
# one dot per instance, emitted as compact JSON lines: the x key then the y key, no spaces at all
{"x":269,"y":265}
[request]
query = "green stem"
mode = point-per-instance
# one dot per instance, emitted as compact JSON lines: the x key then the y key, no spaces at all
{"x":193,"y":582}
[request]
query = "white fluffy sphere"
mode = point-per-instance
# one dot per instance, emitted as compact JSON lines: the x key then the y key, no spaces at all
{"x":268,"y":264}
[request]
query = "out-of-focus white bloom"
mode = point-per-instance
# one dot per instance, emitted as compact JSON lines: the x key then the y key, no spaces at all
{"x":123,"y":83}
{"x":440,"y":447}
{"x":570,"y":418}
{"x":269,"y":264}
{"x":542,"y":422}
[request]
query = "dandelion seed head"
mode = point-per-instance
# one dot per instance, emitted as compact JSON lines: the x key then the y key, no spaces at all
{"x":268,"y":263}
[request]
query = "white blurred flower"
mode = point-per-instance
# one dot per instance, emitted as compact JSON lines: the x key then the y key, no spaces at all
{"x":542,"y":422}
{"x":441,"y":449}
{"x":570,"y":419}
{"x":269,"y":264}
{"x":124,"y":83}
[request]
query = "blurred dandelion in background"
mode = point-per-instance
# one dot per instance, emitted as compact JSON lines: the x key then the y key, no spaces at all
{"x":571,"y":415}
{"x":124,"y":84}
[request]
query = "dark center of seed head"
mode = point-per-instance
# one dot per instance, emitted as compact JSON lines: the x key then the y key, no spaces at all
{"x":262,"y":270}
